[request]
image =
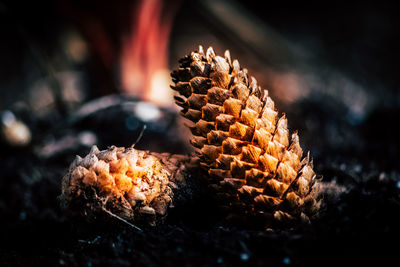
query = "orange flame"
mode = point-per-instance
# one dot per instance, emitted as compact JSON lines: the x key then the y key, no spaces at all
{"x":144,"y":58}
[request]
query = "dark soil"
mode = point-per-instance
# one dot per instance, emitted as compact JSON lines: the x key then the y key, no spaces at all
{"x":359,"y":223}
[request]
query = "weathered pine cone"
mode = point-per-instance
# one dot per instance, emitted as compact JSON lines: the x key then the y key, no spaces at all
{"x":134,"y":185}
{"x":253,"y":165}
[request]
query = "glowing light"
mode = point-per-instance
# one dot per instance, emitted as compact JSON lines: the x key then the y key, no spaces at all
{"x":147,"y":112}
{"x":144,"y":58}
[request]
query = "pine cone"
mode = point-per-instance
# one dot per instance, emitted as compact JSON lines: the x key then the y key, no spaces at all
{"x":253,"y":165}
{"x":134,"y":185}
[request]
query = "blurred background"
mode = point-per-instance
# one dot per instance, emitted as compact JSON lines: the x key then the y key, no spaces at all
{"x":66,"y":63}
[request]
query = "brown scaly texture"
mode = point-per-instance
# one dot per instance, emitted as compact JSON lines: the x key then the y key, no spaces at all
{"x":254,"y":165}
{"x":134,"y":185}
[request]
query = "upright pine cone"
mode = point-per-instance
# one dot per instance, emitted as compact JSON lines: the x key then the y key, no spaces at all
{"x":132,"y":184}
{"x":252,"y":164}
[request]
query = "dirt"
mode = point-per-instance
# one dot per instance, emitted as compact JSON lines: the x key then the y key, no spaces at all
{"x":359,"y":222}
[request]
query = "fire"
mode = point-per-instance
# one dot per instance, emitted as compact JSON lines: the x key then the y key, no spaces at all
{"x":144,"y":57}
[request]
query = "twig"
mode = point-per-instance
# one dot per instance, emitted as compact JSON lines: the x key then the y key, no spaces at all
{"x":140,"y":136}
{"x":122,"y":219}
